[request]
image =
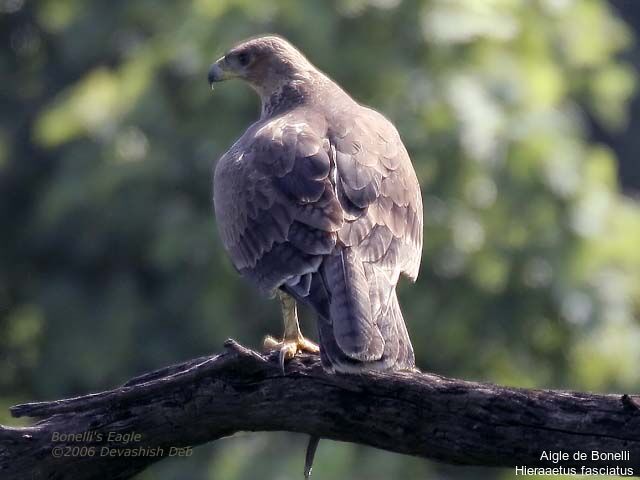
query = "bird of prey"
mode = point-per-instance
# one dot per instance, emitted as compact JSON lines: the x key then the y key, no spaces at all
{"x":319,"y":202}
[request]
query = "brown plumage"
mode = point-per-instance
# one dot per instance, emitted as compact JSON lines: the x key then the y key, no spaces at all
{"x":319,"y":199}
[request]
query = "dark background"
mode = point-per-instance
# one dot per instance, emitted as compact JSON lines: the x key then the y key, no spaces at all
{"x":622,"y":141}
{"x":523,"y":123}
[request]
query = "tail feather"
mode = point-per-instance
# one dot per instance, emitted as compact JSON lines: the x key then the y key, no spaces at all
{"x":405,"y":358}
{"x":360,"y":324}
{"x":354,"y":328}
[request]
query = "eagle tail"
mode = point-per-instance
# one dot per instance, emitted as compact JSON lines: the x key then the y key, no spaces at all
{"x":360,"y":323}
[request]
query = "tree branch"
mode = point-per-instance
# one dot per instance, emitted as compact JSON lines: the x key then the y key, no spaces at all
{"x":419,"y":414}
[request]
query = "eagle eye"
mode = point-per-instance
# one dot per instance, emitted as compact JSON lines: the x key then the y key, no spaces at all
{"x":243,"y":59}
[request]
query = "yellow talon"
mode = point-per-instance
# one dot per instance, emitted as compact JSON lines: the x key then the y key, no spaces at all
{"x":292,"y":341}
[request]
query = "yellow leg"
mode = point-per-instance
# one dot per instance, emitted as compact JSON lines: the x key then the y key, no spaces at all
{"x":292,"y":341}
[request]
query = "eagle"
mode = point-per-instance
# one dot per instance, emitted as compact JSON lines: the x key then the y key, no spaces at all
{"x":318,"y":202}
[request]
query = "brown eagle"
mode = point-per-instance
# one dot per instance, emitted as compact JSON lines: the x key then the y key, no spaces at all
{"x":319,"y":202}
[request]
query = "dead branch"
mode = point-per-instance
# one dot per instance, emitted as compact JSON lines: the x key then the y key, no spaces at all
{"x":419,"y":414}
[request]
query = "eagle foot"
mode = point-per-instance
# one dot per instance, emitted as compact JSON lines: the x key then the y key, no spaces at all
{"x":289,"y":347}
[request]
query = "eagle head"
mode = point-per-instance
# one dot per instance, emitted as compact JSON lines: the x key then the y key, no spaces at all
{"x":265,"y":63}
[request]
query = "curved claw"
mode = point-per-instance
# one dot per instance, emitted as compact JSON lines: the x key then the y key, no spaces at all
{"x":281,"y":357}
{"x":287,"y":349}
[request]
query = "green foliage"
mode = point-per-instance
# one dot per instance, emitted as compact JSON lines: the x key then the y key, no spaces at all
{"x":109,"y":260}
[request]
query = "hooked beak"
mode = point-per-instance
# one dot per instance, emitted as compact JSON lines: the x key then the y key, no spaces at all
{"x":218,"y":72}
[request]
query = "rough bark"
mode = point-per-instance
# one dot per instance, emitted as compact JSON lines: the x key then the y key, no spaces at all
{"x":419,"y":414}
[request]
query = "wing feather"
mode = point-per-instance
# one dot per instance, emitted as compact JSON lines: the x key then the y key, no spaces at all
{"x":275,"y":206}
{"x":379,"y":190}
